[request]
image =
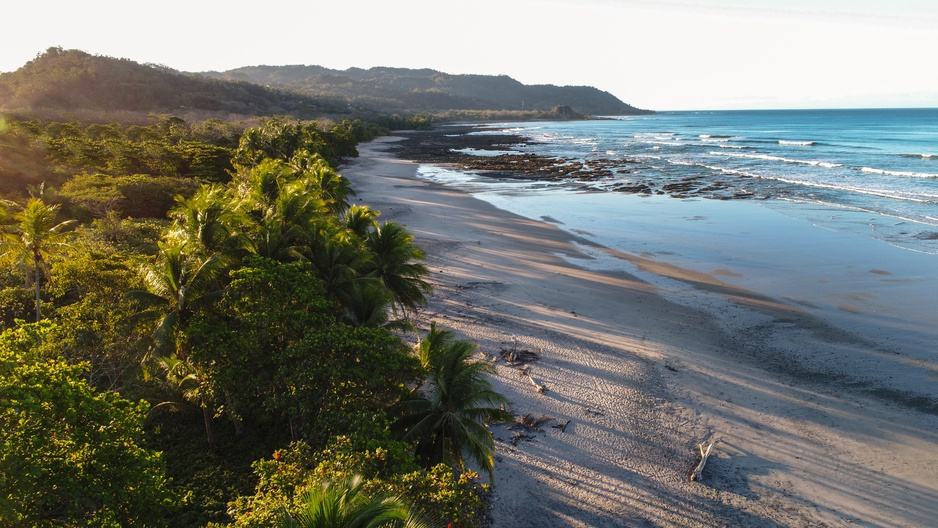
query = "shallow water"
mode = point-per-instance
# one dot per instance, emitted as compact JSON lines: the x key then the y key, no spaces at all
{"x":867,"y":267}
{"x":881,"y":162}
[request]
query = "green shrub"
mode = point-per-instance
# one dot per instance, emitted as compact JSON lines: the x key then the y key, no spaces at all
{"x":436,"y":493}
{"x":69,"y":455}
{"x":137,"y":196}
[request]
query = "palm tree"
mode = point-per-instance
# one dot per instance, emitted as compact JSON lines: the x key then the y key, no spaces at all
{"x":207,"y":219}
{"x":447,"y":418}
{"x":367,"y":305}
{"x":345,"y":505}
{"x":179,"y":283}
{"x":361,"y":220}
{"x":322,"y":180}
{"x":33,"y":238}
{"x":279,"y":212}
{"x":396,"y":261}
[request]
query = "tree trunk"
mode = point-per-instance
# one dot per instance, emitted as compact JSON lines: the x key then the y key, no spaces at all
{"x":38,"y":288}
{"x":233,"y":414}
{"x":209,"y":429}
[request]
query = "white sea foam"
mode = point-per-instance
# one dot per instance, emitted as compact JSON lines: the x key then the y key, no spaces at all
{"x":486,"y":153}
{"x":881,"y":193}
{"x":796,"y":143}
{"x":766,"y":157}
{"x":718,"y":138}
{"x":497,"y":131}
{"x":903,"y":174}
{"x":724,"y":170}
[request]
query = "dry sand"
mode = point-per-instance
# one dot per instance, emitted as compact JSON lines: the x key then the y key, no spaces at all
{"x":642,"y":381}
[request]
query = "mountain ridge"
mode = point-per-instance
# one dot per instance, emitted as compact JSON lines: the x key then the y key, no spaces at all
{"x":429,"y":90}
{"x":62,"y":82}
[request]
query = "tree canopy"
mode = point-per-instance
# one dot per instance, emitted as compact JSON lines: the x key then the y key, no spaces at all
{"x":253,"y":310}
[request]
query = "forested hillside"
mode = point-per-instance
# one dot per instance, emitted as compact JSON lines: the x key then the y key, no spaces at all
{"x":61,"y":81}
{"x":70,"y":83}
{"x":400,"y":89}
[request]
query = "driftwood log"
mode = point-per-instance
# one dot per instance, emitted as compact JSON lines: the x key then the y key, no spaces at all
{"x":704,"y":455}
{"x":540,"y":388}
{"x":562,"y":427}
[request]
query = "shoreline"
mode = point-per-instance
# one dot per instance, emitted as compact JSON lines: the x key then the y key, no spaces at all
{"x":640,"y":381}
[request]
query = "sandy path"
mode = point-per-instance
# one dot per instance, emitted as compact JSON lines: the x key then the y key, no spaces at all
{"x":642,"y":380}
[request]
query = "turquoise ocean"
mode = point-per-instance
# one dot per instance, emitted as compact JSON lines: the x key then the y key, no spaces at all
{"x":832,"y":211}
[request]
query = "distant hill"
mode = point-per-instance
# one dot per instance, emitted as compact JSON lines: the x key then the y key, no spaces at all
{"x":60,"y":81}
{"x":402,"y":90}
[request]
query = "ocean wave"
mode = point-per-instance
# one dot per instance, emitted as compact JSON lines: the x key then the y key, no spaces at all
{"x":920,"y":156}
{"x":860,"y":209}
{"x":734,"y":172}
{"x":766,"y":157}
{"x":486,"y":153}
{"x":499,"y":131}
{"x":719,"y":138}
{"x":724,"y":170}
{"x":880,"y":193}
{"x":901,"y":174}
{"x":916,"y":197}
{"x":796,"y":143}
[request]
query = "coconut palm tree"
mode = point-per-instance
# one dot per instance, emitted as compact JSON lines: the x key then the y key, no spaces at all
{"x":178,"y":284}
{"x":279,"y":211}
{"x":396,"y":261}
{"x":368,"y":304}
{"x":207,"y":220}
{"x":447,"y":416}
{"x":345,"y":505}
{"x":33,"y":238}
{"x":322,"y":180}
{"x":361,"y":220}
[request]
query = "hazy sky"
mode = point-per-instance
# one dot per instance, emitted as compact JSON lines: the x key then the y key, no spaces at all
{"x":661,"y":55}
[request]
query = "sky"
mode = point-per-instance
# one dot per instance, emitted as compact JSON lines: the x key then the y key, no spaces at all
{"x":658,"y":55}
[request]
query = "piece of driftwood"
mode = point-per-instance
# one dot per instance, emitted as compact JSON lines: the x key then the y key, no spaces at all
{"x":529,"y":422}
{"x":519,"y":436}
{"x":540,"y":388}
{"x":517,"y":358}
{"x":704,"y":455}
{"x":562,"y":427}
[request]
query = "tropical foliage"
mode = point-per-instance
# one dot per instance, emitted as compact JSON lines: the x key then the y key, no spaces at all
{"x":446,"y":417}
{"x":434,"y":494}
{"x":31,"y":239}
{"x":344,"y":504}
{"x":71,"y":455}
{"x":257,"y":313}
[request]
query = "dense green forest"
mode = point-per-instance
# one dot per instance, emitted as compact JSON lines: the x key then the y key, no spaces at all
{"x":199,"y":329}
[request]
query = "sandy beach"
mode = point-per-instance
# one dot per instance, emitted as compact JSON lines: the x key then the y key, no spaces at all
{"x":634,"y":382}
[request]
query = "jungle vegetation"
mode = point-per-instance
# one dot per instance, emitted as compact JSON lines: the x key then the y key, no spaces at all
{"x":200,"y":329}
